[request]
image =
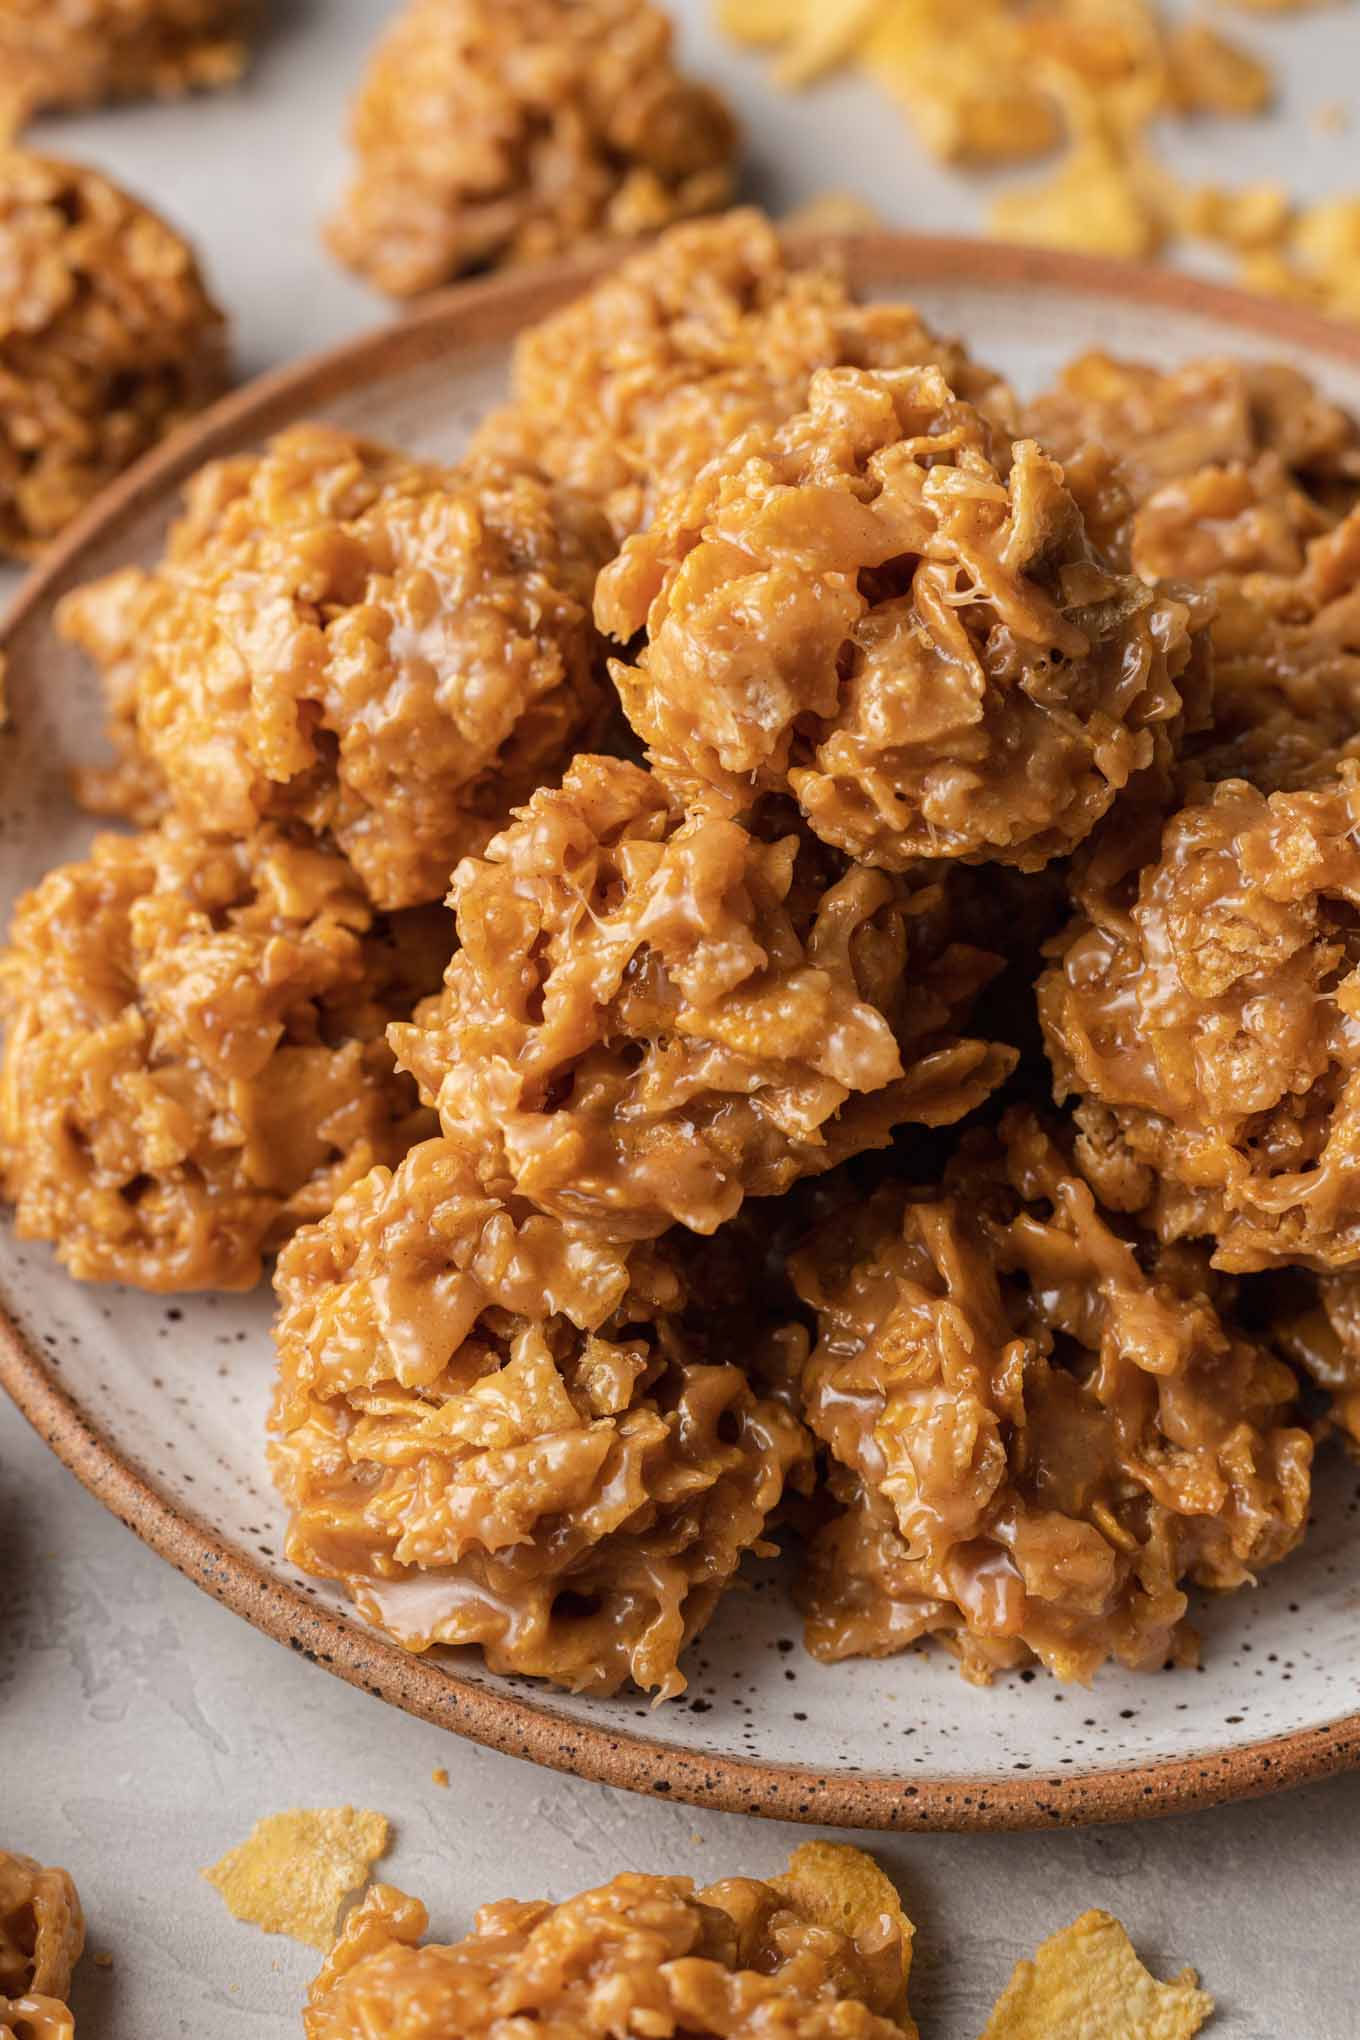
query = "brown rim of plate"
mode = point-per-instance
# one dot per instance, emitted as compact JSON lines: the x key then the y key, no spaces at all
{"x":488,"y":312}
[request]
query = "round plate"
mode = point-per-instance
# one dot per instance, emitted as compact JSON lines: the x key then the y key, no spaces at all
{"x":158,"y":1405}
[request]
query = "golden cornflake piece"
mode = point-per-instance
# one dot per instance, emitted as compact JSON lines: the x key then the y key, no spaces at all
{"x":824,"y":36}
{"x":1326,"y":239}
{"x":998,"y":94}
{"x":1206,"y":73}
{"x":295,"y":1870}
{"x":833,"y":1885}
{"x":1093,"y":202}
{"x":1031,"y":76}
{"x":1088,"y":1980}
{"x":1315,"y":259}
{"x":758,"y":22}
{"x":972,"y":99}
{"x":833,"y":212}
{"x":1254,"y":216}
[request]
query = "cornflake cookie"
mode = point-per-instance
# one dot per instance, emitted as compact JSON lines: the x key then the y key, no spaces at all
{"x":650,"y":1016}
{"x":295,"y":1870}
{"x":1244,"y":478}
{"x":108,"y":340}
{"x":1088,"y":1980}
{"x":42,"y":1934}
{"x":1208,"y":1030}
{"x":390,"y":652}
{"x":194,"y":1059}
{"x":824,"y":1951}
{"x":497,"y":1431}
{"x":886,"y":609}
{"x":70,"y":53}
{"x":636,"y":384}
{"x":495,"y":131}
{"x":1038,"y":1429}
{"x":1285,"y":579}
{"x":1166,"y":424}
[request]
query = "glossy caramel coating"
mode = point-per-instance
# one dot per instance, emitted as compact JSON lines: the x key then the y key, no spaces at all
{"x":739,"y":1960}
{"x":649,"y":1017}
{"x":390,"y":652}
{"x":888,"y":611}
{"x":194,"y":1060}
{"x":496,"y":1430}
{"x":1039,"y":1432}
{"x":1164,"y":424}
{"x":637,"y":383}
{"x":498,"y":131}
{"x":1208,"y":1030}
{"x":42,"y":1933}
{"x":108,"y":340}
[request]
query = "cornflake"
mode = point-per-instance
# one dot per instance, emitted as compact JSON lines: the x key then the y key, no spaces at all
{"x":832,"y":212}
{"x":295,"y":1870}
{"x":1089,"y":77}
{"x":1088,"y":1980}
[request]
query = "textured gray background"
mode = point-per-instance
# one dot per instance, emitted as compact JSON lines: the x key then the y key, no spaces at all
{"x":143,"y":1729}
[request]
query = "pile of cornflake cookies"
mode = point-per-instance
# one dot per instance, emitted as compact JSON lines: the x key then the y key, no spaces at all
{"x":771,"y":957}
{"x":884,"y":1077}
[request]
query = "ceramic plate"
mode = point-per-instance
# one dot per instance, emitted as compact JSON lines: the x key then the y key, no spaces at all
{"x":158,"y":1404}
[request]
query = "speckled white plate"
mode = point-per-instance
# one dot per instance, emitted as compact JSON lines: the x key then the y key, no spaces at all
{"x":159,"y":1405}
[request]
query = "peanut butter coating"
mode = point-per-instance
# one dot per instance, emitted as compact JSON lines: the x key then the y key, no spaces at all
{"x":194,"y":1060}
{"x":884,"y":608}
{"x":497,"y":1430}
{"x":108,"y":339}
{"x":498,"y":131}
{"x":649,"y":1016}
{"x":1039,"y":1431}
{"x":389,"y":652}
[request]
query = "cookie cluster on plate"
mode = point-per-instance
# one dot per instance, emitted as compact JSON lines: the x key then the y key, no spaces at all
{"x":882,"y":1080}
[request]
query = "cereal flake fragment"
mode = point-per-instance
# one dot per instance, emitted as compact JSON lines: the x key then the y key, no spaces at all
{"x":295,"y":1870}
{"x":1088,"y":1980}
